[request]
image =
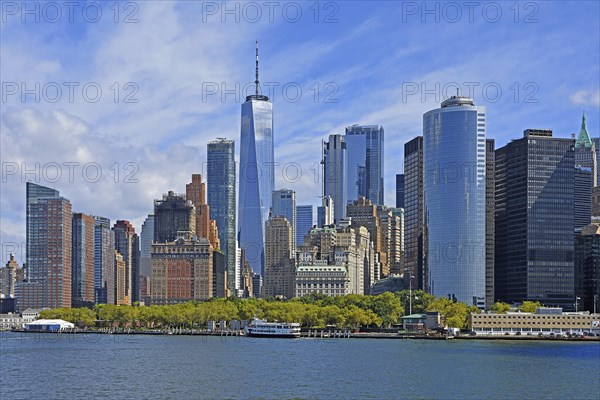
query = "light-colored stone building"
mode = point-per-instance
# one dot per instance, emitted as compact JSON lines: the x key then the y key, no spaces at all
{"x":528,"y":323}
{"x":320,"y":278}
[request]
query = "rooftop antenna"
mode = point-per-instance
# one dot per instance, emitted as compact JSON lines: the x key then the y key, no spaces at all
{"x":256,"y":80}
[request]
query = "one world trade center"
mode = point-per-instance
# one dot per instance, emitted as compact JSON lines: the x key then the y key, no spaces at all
{"x":257,"y":174}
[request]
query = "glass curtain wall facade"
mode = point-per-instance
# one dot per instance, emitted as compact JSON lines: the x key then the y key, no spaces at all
{"x":454,"y":154}
{"x":364,"y":144}
{"x":415,"y":260}
{"x":284,"y":205}
{"x":334,"y":175}
{"x":257,"y":177}
{"x":104,"y":260}
{"x":534,"y":220}
{"x":221,"y":192}
{"x":304,"y":222}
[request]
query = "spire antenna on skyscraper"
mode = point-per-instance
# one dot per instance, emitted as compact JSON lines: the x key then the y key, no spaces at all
{"x":256,"y":80}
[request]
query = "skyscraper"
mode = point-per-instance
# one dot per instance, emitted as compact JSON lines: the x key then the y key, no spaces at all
{"x":400,"y":191}
{"x":304,"y":222}
{"x":585,"y":151}
{"x":33,"y":192}
{"x":334,"y":175}
{"x":104,"y":261}
{"x":596,"y":142}
{"x":454,"y":156}
{"x":585,"y":177}
{"x":364,"y":145}
{"x":490,"y":218}
{"x":257,"y":174}
{"x":221,"y":194}
{"x":415,"y":243}
{"x":172,"y":214}
{"x":146,"y":239}
{"x":587,"y":268}
{"x":195,"y":192}
{"x":279,"y":262}
{"x":325,"y":212}
{"x":534,"y":220}
{"x":49,"y":235}
{"x":127,"y":243}
{"x":82,"y":252}
{"x":284,"y":205}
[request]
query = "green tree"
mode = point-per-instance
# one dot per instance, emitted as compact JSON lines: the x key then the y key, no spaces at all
{"x":500,"y":307}
{"x":529,"y":306}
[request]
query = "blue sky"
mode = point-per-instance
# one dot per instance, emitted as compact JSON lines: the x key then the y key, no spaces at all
{"x":371,"y":61}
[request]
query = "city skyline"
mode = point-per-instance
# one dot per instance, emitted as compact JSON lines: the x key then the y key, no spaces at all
{"x":107,"y":136}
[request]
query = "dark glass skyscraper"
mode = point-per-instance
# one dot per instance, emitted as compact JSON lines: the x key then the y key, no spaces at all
{"x":172,"y":214}
{"x":257,"y":174}
{"x":364,"y":169}
{"x":534,"y":220}
{"x":221,"y":199}
{"x":304,"y":222}
{"x":587,"y":268}
{"x":415,"y":243}
{"x":104,"y":261}
{"x":400,"y":191}
{"x":334,"y":174}
{"x":454,"y":156}
{"x":127,"y":243}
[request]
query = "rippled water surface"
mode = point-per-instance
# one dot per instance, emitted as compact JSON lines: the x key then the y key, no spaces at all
{"x":173,"y":367}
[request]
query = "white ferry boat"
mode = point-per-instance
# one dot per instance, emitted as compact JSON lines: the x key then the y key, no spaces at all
{"x":261,"y":328}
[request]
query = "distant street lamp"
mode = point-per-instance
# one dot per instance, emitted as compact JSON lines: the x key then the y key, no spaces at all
{"x":410,"y":295}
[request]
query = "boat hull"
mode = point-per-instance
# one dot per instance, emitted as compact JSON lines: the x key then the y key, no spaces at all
{"x":277,"y":335}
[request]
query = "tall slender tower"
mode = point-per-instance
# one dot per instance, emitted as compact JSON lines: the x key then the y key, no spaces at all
{"x":257,"y":174}
{"x":220,"y":193}
{"x":454,"y":155}
{"x":334,"y":174}
{"x":82,"y":261}
{"x":127,"y":243}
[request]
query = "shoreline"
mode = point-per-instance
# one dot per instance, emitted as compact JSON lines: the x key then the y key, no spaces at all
{"x":324,"y":335}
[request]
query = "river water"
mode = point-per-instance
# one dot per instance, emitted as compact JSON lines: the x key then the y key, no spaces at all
{"x":46,"y":366}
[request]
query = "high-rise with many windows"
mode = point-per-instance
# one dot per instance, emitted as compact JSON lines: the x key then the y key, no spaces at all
{"x":534,"y":220}
{"x":304,"y":222}
{"x":127,"y":243}
{"x":454,"y":156}
{"x":400,"y":191}
{"x":415,"y":243}
{"x":104,"y":261}
{"x":221,"y":192}
{"x":49,"y":235}
{"x":257,"y":174}
{"x":82,"y":251}
{"x":334,"y":175}
{"x":364,"y":144}
{"x":284,"y":205}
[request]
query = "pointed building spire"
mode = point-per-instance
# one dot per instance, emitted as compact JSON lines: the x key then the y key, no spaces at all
{"x":256,"y":80}
{"x":583,"y":140}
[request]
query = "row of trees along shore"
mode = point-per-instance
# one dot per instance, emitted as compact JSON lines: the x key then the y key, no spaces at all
{"x":312,"y":311}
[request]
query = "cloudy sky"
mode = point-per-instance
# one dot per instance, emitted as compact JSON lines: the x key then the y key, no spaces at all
{"x":113,"y":104}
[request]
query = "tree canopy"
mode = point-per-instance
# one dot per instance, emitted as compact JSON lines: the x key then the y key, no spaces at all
{"x":312,"y":311}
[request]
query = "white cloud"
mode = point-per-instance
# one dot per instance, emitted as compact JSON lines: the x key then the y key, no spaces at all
{"x":586,"y":97}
